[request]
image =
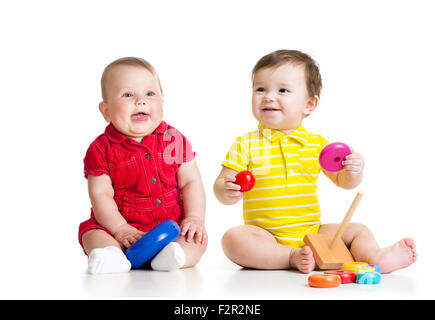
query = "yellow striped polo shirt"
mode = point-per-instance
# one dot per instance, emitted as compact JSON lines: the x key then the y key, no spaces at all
{"x":286,"y":168}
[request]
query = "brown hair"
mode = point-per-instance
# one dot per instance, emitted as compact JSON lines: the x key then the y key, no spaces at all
{"x":280,"y":57}
{"x":132,"y":61}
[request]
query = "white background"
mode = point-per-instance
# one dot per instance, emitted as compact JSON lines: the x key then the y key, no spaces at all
{"x":377,"y":63}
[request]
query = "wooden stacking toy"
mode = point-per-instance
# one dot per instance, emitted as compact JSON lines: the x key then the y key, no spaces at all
{"x":351,"y":272}
{"x":329,"y":250}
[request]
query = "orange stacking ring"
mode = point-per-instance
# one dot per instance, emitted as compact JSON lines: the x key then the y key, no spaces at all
{"x":324,"y":280}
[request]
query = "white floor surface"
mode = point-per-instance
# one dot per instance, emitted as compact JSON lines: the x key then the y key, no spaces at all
{"x":214,"y":278}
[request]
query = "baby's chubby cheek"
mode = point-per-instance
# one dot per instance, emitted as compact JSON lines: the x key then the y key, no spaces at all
{"x":156,"y":114}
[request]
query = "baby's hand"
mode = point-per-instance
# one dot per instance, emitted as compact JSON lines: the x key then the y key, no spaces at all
{"x":231,"y":190}
{"x":127,"y":235}
{"x":354,"y":164}
{"x":193,"y":228}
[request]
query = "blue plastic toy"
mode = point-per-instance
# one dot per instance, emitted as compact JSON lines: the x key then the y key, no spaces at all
{"x":368,"y":278}
{"x":152,"y":242}
{"x":377,"y":268}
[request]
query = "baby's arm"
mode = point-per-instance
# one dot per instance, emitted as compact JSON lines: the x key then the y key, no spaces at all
{"x":226,"y":191}
{"x":190,"y":184}
{"x":352,"y":173}
{"x":106,"y":211}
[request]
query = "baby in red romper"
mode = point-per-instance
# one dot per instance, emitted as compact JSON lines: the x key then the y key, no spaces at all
{"x":140,"y":171}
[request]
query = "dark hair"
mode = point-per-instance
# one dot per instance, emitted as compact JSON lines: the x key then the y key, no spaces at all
{"x":277,"y":58}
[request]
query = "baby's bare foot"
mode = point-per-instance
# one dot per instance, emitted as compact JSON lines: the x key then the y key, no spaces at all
{"x":302,"y":259}
{"x":397,"y":256}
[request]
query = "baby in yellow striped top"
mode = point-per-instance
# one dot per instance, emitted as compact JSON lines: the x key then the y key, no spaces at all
{"x":283,"y":206}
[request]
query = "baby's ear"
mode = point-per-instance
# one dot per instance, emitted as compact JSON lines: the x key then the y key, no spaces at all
{"x":104,"y":109}
{"x":311,"y":105}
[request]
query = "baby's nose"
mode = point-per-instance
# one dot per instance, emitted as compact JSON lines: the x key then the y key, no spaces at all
{"x":269,"y":96}
{"x":141,"y":101}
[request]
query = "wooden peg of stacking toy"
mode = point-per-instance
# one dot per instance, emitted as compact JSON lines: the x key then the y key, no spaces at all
{"x":329,"y":250}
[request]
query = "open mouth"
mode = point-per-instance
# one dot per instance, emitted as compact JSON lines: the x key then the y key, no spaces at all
{"x":140,"y":116}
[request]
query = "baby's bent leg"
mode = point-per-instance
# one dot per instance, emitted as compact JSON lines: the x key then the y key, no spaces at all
{"x":104,"y":253}
{"x":178,"y":254}
{"x":98,"y":238}
{"x":192,"y":250}
{"x":171,"y":257}
{"x":253,"y":247}
{"x":357,"y":237}
{"x":363,"y":246}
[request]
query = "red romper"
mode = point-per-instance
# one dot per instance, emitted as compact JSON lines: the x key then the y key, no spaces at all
{"x":143,"y":175}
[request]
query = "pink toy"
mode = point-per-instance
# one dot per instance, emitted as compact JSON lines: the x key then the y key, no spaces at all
{"x":332,"y":156}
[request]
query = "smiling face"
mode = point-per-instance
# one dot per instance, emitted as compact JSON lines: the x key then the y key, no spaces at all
{"x":280,"y":99}
{"x":133,"y":101}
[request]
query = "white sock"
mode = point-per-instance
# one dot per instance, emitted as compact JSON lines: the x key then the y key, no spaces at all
{"x":171,"y":257}
{"x":108,"y":260}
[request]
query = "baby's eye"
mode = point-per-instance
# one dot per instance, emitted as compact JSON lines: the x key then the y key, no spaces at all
{"x":260,"y":89}
{"x":127,"y":95}
{"x":283,"y":90}
{"x":149,"y":94}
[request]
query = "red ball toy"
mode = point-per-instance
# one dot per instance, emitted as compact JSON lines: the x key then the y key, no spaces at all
{"x":246,"y":180}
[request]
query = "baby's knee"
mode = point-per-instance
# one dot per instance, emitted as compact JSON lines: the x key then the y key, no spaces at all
{"x":357,"y":227}
{"x":194,"y":255}
{"x":230,"y":236}
{"x":236,"y":238}
{"x":97,"y":238}
{"x":200,"y":249}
